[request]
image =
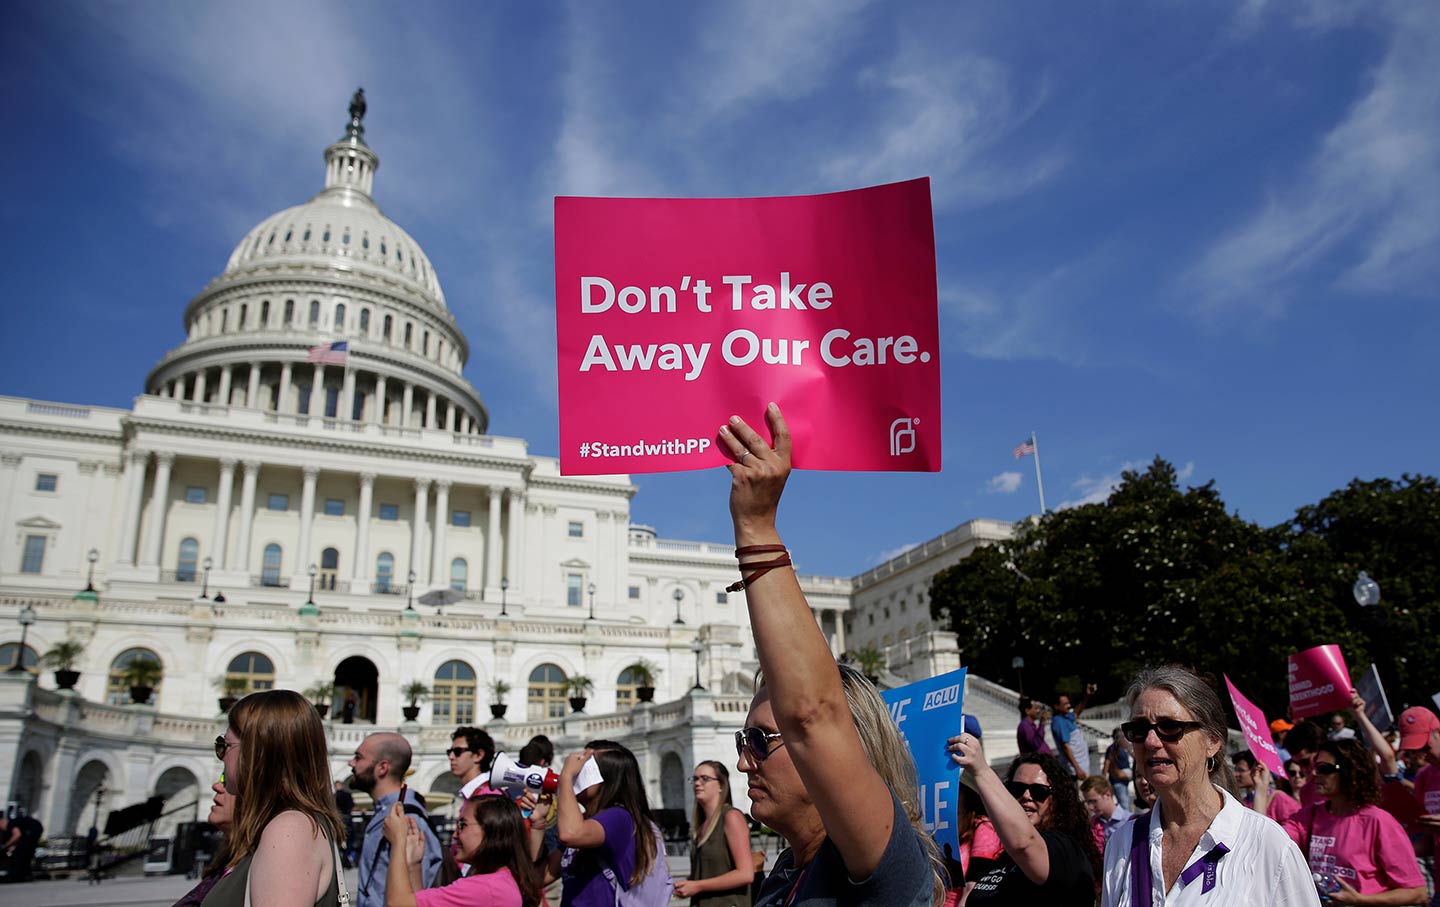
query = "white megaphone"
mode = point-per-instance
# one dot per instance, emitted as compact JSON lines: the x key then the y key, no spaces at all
{"x":506,"y":772}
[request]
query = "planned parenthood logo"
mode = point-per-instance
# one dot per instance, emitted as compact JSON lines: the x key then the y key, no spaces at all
{"x":902,"y":435}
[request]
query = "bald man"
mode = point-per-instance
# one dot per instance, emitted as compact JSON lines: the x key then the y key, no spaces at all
{"x":378,"y":768}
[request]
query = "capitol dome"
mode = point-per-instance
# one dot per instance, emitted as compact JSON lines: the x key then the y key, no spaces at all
{"x":334,"y":270}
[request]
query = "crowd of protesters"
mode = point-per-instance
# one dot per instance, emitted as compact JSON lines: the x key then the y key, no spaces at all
{"x":1167,"y":816}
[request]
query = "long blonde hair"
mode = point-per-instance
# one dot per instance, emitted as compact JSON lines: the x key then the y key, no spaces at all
{"x":702,"y":826}
{"x":283,"y":766}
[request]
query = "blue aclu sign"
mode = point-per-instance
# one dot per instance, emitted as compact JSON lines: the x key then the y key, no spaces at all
{"x":928,"y":715}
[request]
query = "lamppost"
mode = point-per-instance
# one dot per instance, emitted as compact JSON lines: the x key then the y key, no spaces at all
{"x":26,"y":618}
{"x":1366,"y":591}
{"x":504,"y":587}
{"x":679,"y":597}
{"x":1367,"y":596}
{"x":1018,"y":663}
{"x":591,"y":590}
{"x":409,"y":592}
{"x":312,"y":571}
{"x":697,"y":648}
{"x":92,"y":557}
{"x":209,"y":562}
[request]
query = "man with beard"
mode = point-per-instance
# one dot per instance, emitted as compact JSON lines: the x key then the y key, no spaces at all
{"x":379,"y":767}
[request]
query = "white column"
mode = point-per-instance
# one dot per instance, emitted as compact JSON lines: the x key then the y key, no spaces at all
{"x":450,"y":416}
{"x":283,"y":400}
{"x":429,"y":409}
{"x":225,"y":377}
{"x":464,"y":423}
{"x":439,"y":575}
{"x":159,"y":502}
{"x":317,"y":392}
{"x":247,"y":515}
{"x":130,"y":513}
{"x":377,"y":409}
{"x":177,"y":388}
{"x":252,"y":387}
{"x":218,"y":546}
{"x":407,"y":404}
{"x":492,"y":544}
{"x":839,"y":630}
{"x":360,"y":579}
{"x":514,"y":535}
{"x":199,"y":395}
{"x":417,"y":536}
{"x":307,"y":520}
{"x":347,"y":396}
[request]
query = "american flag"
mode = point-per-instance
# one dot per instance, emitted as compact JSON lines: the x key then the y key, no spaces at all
{"x":1025,"y":447}
{"x":329,"y":353}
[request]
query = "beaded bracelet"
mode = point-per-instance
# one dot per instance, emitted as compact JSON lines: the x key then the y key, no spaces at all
{"x":760,"y":567}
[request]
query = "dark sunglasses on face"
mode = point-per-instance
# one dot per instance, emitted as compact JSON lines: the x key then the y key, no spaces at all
{"x":1324,"y":768}
{"x":1038,"y":792}
{"x":755,"y":742}
{"x":457,"y":750}
{"x":221,"y":746}
{"x":1169,"y":730}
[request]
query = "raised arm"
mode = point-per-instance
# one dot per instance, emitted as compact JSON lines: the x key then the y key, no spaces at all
{"x":1020,"y":839}
{"x":1373,"y":738}
{"x":811,"y":712}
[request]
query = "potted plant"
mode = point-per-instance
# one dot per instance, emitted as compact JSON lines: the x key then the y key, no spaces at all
{"x":578,"y":687}
{"x":231,"y":689}
{"x":499,"y":689}
{"x":643,"y":672}
{"x":414,"y":692}
{"x":319,"y":695}
{"x":142,"y":675}
{"x":870,"y":661}
{"x":63,"y":657}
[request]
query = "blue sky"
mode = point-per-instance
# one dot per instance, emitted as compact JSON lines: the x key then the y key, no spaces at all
{"x":1208,"y":231}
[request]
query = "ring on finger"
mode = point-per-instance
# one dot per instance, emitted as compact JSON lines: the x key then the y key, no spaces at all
{"x":741,"y":458}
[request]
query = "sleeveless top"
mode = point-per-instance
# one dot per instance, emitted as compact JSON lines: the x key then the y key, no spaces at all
{"x":711,"y":858}
{"x":230,"y":890}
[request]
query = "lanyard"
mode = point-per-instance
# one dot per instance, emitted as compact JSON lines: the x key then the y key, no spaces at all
{"x":790,"y":898}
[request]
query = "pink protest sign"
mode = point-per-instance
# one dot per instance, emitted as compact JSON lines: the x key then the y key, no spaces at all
{"x":1319,"y":682}
{"x":1256,"y":730}
{"x":673,"y":314}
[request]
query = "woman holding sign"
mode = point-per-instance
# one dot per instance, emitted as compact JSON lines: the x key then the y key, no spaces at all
{"x":827,"y":767}
{"x":1198,"y":837}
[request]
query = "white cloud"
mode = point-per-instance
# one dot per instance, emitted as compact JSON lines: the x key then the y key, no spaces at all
{"x":1363,"y":213}
{"x":890,"y":553}
{"x":1184,"y":473}
{"x":1092,"y":490}
{"x":1004,"y":483}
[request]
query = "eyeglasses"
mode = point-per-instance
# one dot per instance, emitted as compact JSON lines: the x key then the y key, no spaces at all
{"x":1325,"y":768}
{"x":461,"y":826}
{"x":1038,"y":792}
{"x":704,"y":779}
{"x":1169,"y":730}
{"x":221,"y":745}
{"x":457,"y":750}
{"x":754,"y":741}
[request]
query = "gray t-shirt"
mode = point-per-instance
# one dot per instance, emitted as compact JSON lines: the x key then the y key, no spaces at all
{"x":903,"y":878}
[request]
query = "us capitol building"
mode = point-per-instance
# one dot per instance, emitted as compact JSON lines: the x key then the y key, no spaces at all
{"x":259,"y":520}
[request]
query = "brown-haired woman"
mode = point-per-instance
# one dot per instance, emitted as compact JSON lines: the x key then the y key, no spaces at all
{"x":1359,"y":853}
{"x":282,"y":842}
{"x":490,"y":838}
{"x":721,"y":869}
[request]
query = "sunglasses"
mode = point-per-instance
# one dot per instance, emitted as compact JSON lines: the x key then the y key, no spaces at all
{"x":702,"y":779}
{"x":1038,"y":792}
{"x":221,"y":745}
{"x":457,"y":750}
{"x":1324,"y":768}
{"x":755,"y":742}
{"x":1169,"y":730}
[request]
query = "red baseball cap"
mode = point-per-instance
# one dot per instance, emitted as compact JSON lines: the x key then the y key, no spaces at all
{"x":1416,"y":724}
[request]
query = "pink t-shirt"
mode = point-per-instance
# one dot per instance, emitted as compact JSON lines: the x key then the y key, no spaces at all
{"x":1368,"y":849}
{"x":493,"y":889}
{"x":1427,"y":792}
{"x":1282,"y":806}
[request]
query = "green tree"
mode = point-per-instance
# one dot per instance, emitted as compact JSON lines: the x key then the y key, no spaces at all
{"x":1154,"y":574}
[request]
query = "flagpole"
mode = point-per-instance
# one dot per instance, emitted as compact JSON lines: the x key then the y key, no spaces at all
{"x":1039,"y":482}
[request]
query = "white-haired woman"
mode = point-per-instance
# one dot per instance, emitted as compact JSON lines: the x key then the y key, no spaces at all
{"x":1199,"y":845}
{"x":827,"y":767}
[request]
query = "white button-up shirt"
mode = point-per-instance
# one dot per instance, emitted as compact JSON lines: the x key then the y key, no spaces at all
{"x":1263,"y":866}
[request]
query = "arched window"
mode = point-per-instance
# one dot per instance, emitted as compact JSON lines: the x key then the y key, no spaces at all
{"x":186,"y":562}
{"x":265,"y":313}
{"x":546,"y":693}
{"x":289,"y":312}
{"x":244,"y":314}
{"x":625,"y":686}
{"x":409,"y":334}
{"x":118,"y":687}
{"x":224,"y":320}
{"x":425,"y":347}
{"x":453,"y":694}
{"x":339,"y":316}
{"x":248,"y":672}
{"x":364,"y":321}
{"x":385,"y":573}
{"x":10,"y":655}
{"x":314,"y":313}
{"x":329,"y":568}
{"x":459,"y":571}
{"x":385,"y":327}
{"x":270,"y":566}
